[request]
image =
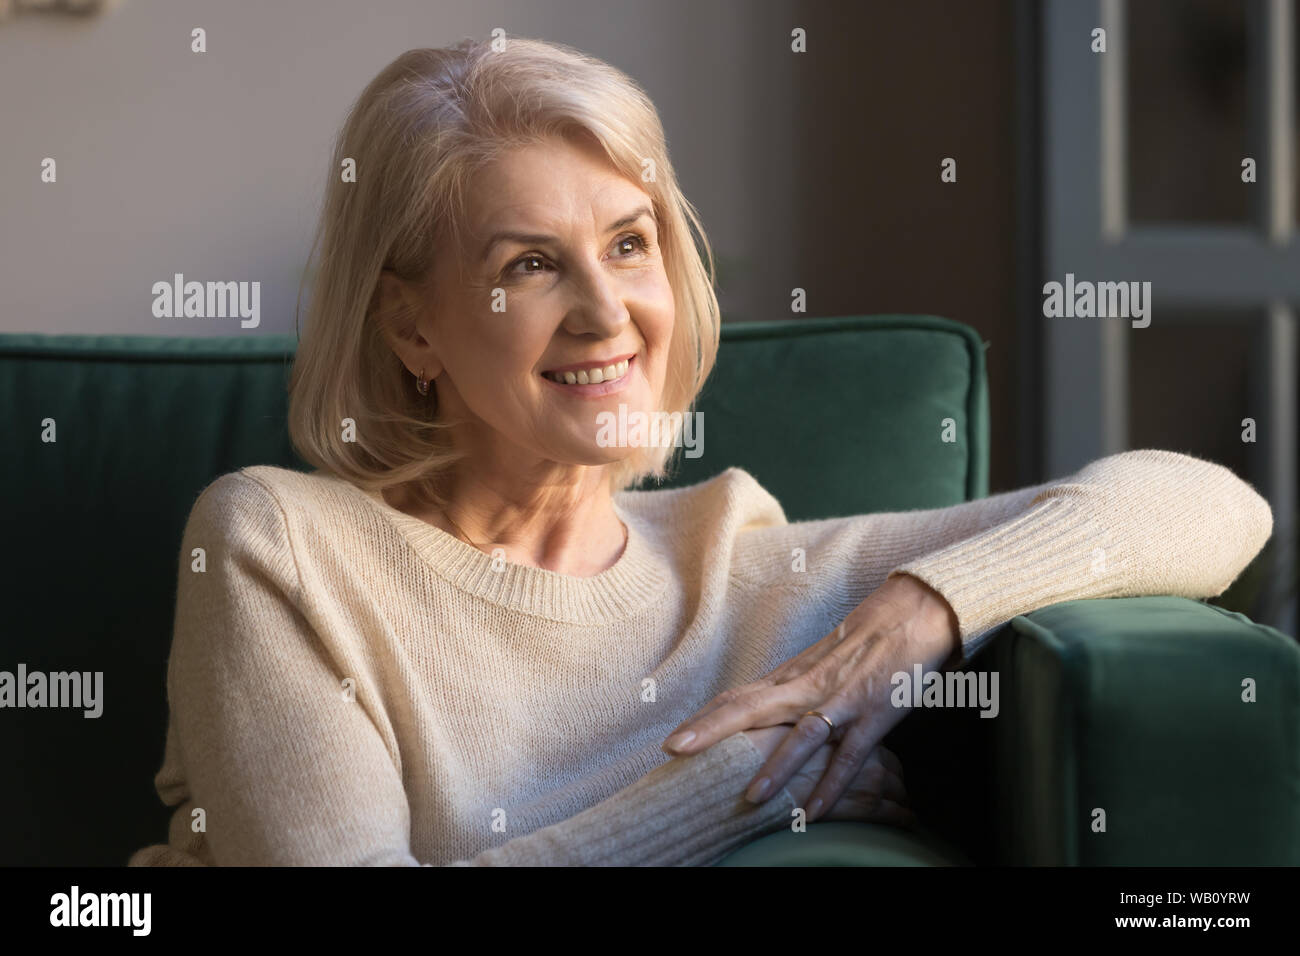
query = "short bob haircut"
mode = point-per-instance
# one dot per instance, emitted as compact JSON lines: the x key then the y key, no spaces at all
{"x":418,"y":132}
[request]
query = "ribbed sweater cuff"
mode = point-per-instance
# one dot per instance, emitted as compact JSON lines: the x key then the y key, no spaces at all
{"x":1056,"y":551}
{"x":689,"y":811}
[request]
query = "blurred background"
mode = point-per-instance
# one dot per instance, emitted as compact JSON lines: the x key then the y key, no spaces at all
{"x":818,"y":171}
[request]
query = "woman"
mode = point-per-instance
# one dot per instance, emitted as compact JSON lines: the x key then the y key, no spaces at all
{"x":461,"y":640}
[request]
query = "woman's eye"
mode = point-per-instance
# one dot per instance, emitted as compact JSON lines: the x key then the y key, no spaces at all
{"x":641,"y":245}
{"x":519,"y":262}
{"x":637,"y":238}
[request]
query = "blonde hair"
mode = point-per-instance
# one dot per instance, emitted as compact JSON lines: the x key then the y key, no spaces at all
{"x":418,"y":132}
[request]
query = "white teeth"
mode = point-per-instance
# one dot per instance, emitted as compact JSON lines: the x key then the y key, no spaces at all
{"x":593,"y":376}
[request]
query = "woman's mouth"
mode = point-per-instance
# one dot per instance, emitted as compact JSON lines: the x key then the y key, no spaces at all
{"x":592,"y":381}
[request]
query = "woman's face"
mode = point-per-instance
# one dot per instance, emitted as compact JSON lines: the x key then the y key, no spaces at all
{"x":560,"y":270}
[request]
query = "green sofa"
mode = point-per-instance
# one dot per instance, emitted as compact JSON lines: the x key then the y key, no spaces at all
{"x":1128,"y":705}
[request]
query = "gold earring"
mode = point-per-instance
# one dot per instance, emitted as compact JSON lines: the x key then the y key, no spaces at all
{"x":422,"y":383}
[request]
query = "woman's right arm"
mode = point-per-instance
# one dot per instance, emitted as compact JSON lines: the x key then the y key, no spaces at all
{"x":290,"y":772}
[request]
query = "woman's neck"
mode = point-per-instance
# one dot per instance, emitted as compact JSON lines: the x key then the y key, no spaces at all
{"x":558,"y":530}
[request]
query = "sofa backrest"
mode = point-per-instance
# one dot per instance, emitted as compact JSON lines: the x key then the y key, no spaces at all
{"x":833,"y":416}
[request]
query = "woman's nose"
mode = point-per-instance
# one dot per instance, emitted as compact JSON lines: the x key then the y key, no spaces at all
{"x":597,"y":305}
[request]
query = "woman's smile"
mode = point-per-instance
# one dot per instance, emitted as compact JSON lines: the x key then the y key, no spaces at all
{"x":584,"y":376}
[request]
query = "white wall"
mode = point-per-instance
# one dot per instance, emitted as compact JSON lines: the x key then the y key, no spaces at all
{"x":213,"y":164}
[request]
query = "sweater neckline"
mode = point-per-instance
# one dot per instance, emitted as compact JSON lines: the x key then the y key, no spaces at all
{"x":629,"y":585}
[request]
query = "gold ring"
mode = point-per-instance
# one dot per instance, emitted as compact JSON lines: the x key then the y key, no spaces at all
{"x":818,"y":713}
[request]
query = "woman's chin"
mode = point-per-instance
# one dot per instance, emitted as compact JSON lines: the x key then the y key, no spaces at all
{"x":605,"y":435}
{"x":585,"y":451}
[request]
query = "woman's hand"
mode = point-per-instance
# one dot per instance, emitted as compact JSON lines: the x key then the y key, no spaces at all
{"x":845,"y":676}
{"x":876,"y":795}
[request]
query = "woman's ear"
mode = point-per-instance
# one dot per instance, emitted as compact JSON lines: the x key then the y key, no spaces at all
{"x":400,"y":312}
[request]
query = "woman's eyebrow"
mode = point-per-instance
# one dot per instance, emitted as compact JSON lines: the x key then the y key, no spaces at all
{"x":536,"y":238}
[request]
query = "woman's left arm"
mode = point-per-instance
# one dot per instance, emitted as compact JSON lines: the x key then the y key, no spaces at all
{"x":938,"y":583}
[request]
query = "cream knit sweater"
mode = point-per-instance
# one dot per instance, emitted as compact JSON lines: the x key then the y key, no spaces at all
{"x":351,"y":685}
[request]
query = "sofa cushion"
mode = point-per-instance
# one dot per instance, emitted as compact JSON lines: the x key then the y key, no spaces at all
{"x":845,"y":843}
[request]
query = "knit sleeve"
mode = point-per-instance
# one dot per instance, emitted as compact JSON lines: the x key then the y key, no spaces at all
{"x":687,"y":812}
{"x":287,"y":769}
{"x":1147,"y":522}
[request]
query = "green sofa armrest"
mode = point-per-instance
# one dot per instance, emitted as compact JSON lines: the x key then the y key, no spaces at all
{"x":1136,"y":708}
